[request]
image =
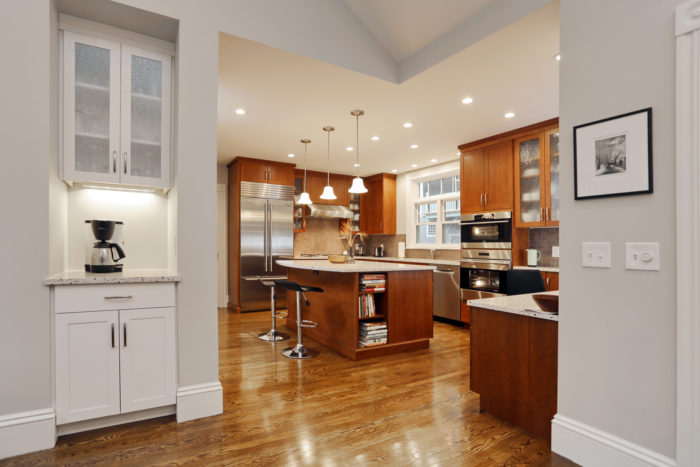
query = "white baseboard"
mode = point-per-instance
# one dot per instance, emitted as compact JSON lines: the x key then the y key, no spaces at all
{"x":587,"y":445}
{"x":112,"y":420}
{"x":199,"y":400}
{"x":25,"y":432}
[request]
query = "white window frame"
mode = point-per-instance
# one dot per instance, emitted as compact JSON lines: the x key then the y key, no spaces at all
{"x":413,"y":200}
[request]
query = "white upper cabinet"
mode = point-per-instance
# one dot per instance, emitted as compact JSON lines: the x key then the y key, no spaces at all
{"x":116,"y":113}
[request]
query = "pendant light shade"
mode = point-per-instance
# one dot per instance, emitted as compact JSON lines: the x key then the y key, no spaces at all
{"x":358,"y":186}
{"x":328,"y":189}
{"x":304,"y":197}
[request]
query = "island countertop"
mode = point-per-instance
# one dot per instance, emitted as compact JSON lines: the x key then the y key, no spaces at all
{"x":128,"y":276}
{"x":516,"y":304}
{"x":357,"y":267}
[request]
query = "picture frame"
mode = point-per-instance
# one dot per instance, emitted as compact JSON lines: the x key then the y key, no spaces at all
{"x":613,"y":156}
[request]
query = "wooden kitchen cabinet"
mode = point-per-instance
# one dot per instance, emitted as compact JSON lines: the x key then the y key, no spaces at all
{"x":551,"y":281}
{"x":536,"y":166}
{"x":464,"y":312}
{"x":261,"y":171}
{"x":378,"y":205}
{"x":486,"y":182}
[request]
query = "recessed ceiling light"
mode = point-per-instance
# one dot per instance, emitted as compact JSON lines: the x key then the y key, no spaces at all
{"x":414,"y":165}
{"x":356,"y":165}
{"x":407,"y":125}
{"x":240,"y":111}
{"x":467,"y":100}
{"x":375,"y":138}
{"x":509,"y":115}
{"x":414,"y":146}
{"x":290,"y":155}
{"x":394,"y":170}
{"x":557,"y":57}
{"x":433,"y":160}
{"x":349,"y":148}
{"x":459,"y":153}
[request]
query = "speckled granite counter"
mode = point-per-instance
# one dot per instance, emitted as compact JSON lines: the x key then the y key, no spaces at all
{"x":358,"y":266}
{"x":540,"y":268}
{"x":128,"y":276}
{"x":446,"y":262}
{"x":516,"y":304}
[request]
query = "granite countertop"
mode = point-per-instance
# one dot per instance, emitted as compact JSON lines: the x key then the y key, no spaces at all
{"x":516,"y":304}
{"x":446,"y":262}
{"x":360,"y":266}
{"x":541,"y":268}
{"x":128,"y":276}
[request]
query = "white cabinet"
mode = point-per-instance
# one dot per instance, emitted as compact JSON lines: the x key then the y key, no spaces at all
{"x":116,"y":113}
{"x":115,"y":361}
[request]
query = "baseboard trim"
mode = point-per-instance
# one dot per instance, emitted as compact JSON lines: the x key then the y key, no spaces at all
{"x":25,"y":432}
{"x":199,"y":400}
{"x":112,"y":420}
{"x":587,"y":445}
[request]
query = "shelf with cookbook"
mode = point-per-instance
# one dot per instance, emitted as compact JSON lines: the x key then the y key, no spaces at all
{"x":372,"y":329}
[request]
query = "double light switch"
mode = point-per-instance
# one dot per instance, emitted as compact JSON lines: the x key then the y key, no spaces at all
{"x":640,"y":256}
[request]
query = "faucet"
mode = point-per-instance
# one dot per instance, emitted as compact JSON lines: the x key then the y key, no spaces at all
{"x":432,"y":253}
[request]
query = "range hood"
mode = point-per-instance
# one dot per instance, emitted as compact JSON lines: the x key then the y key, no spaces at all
{"x":329,"y":211}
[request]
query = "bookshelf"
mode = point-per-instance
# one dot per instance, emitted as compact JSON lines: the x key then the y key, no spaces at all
{"x":372,"y":329}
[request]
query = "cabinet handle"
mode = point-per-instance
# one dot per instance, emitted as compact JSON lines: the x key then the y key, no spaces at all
{"x":118,"y":297}
{"x":114,"y":161}
{"x":125,"y":161}
{"x":541,"y":213}
{"x":481,"y":200}
{"x":486,"y":199}
{"x":549,"y":213}
{"x":124,"y":334}
{"x":548,"y":282}
{"x":112,"y":335}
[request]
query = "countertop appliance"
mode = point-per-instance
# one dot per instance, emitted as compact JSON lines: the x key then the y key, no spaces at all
{"x":103,"y":255}
{"x":379,"y":251}
{"x":267,"y":233}
{"x":446,"y":292}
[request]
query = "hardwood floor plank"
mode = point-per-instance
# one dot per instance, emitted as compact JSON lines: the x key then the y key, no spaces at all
{"x":407,"y":409}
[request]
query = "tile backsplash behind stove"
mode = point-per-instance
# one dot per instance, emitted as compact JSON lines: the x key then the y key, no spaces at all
{"x":543,"y":239}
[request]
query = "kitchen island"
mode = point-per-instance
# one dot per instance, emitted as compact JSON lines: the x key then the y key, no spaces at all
{"x":405,"y":304}
{"x":513,"y":361}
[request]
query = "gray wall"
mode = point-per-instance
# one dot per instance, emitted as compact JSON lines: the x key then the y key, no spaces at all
{"x":617,"y":327}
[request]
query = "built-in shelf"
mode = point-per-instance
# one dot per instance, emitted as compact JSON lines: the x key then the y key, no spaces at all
{"x":92,"y":135}
{"x":146,"y":97}
{"x":145,"y":143}
{"x":92,"y":87}
{"x":370,"y":318}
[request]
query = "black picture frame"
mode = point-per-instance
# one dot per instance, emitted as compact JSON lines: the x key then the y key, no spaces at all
{"x":582,"y":148}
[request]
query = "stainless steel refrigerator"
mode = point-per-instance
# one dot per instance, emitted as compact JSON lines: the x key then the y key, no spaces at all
{"x":267,"y":232}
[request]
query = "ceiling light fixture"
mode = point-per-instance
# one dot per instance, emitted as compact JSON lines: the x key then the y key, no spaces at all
{"x":467,"y":100}
{"x":433,"y":160}
{"x":375,"y":138}
{"x":414,"y":146}
{"x":407,"y":125}
{"x":290,"y":155}
{"x":509,"y":115}
{"x":328,"y":189}
{"x":358,"y":186}
{"x":304,"y":197}
{"x":414,"y":165}
{"x":557,"y":57}
{"x":356,"y":165}
{"x":240,"y":111}
{"x":349,"y":148}
{"x":394,"y":170}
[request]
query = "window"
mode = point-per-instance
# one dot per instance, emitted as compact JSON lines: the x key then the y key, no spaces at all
{"x":437,"y":212}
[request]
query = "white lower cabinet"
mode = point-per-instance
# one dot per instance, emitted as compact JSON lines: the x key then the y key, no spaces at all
{"x":115,"y":361}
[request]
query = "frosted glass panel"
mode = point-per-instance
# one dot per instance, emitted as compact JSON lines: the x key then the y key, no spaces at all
{"x":146,"y":105}
{"x":91,"y":108}
{"x":450,"y":233}
{"x":426,"y":233}
{"x":529,"y":173}
{"x":554,"y":174}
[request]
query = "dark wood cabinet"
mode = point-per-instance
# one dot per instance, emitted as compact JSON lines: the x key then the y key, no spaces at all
{"x":316,"y":181}
{"x":378,"y":205}
{"x":464,"y":313}
{"x":486,"y":178}
{"x":261,"y":171}
{"x":551,"y":281}
{"x":472,"y":181}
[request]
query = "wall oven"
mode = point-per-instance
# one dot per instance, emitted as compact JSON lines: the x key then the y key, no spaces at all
{"x":487,"y":230}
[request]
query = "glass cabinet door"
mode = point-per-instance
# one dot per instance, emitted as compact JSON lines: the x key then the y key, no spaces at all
{"x":145,"y":118}
{"x":552,"y":216}
{"x":91,"y":109}
{"x":530,"y":188}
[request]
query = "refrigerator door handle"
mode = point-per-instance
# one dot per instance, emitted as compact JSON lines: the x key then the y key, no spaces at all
{"x":265,"y":230}
{"x":269,"y":236}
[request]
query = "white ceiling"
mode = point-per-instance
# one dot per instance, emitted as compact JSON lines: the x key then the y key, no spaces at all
{"x":406,"y":26}
{"x":288,"y":97}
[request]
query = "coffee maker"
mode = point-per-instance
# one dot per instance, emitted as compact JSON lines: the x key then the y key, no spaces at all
{"x":100,"y":255}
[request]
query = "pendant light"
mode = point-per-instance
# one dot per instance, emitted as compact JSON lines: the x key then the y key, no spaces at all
{"x":304,"y":197}
{"x":328,"y":189}
{"x":358,"y":186}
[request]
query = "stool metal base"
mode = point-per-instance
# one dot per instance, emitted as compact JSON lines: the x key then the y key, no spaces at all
{"x":273,"y":335}
{"x":299,"y":351}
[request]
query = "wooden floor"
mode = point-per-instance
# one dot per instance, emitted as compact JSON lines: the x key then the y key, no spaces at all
{"x":412,"y":409}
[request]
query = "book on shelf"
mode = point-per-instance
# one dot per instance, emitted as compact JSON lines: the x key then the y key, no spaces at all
{"x":372,"y":325}
{"x":373,"y":333}
{"x":373,"y":282}
{"x":372,"y":277}
{"x":367,"y":306}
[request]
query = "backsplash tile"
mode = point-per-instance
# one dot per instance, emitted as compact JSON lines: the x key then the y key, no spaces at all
{"x":543,"y":239}
{"x":321,"y":236}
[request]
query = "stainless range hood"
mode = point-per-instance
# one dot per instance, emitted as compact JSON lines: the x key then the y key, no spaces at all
{"x":329,"y":211}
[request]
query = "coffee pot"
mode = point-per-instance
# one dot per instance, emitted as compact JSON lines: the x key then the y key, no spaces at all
{"x":533,"y":256}
{"x":104,"y":255}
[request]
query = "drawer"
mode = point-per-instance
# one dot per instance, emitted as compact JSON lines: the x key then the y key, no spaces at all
{"x":75,"y":298}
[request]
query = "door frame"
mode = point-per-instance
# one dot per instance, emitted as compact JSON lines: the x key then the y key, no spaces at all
{"x":687,"y":32}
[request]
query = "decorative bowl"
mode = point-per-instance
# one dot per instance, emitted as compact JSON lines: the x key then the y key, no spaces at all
{"x":338,"y":258}
{"x":548,"y":303}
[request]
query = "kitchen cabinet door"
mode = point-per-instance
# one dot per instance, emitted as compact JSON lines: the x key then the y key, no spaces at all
{"x":148,"y":358}
{"x":341,"y":184}
{"x":145,"y":118}
{"x":315,"y":181}
{"x":551,"y":151}
{"x":87,"y":365}
{"x":91,"y":91}
{"x":551,"y":281}
{"x":280,"y":174}
{"x":498,"y":193}
{"x":253,"y":171}
{"x":472,"y":181}
{"x":529,"y":181}
{"x":378,"y":205}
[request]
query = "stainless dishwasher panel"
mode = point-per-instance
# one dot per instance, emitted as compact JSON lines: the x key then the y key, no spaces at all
{"x":446,"y":293}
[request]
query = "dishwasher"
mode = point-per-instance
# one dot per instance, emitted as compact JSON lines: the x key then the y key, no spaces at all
{"x":446,"y":291}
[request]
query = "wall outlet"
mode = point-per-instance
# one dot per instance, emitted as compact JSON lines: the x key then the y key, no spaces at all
{"x":555,"y":251}
{"x":642,"y":256}
{"x":596,"y":255}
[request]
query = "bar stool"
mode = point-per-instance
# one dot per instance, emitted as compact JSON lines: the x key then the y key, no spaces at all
{"x":273,"y":335}
{"x":299,"y":351}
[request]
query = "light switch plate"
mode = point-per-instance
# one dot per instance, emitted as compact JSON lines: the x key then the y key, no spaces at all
{"x":555,"y":251}
{"x":596,"y":254}
{"x":642,"y":256}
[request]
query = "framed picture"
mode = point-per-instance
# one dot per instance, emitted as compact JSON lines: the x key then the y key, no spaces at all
{"x":612,"y":157}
